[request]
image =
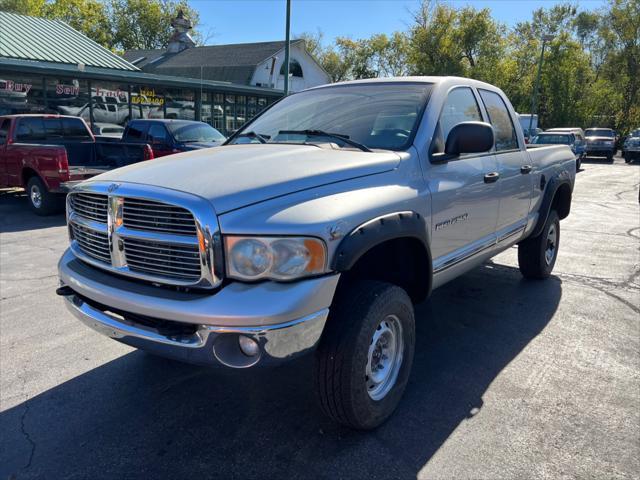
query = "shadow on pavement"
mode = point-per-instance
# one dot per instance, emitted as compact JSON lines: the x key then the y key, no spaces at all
{"x":15,"y":215}
{"x":140,"y":415}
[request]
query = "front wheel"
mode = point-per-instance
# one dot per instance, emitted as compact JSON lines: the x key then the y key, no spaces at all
{"x":365,"y":355}
{"x":537,"y":255}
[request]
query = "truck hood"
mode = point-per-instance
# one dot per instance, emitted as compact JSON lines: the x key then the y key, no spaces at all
{"x":234,"y":176}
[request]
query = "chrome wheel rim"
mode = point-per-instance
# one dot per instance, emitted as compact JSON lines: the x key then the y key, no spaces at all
{"x":36,"y":196}
{"x":384,"y":357}
{"x":552,"y":244}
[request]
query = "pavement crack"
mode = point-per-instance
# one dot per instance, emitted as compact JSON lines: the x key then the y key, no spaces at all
{"x":601,"y":284}
{"x":634,"y":189}
{"x":27,"y":436}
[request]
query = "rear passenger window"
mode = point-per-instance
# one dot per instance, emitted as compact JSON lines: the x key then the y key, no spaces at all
{"x":75,"y":127}
{"x":30,"y":129}
{"x":135,"y":132}
{"x":499,"y":117}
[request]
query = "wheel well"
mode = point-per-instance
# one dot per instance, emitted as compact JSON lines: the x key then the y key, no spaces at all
{"x":404,"y":262}
{"x":562,"y":201}
{"x":27,"y":174}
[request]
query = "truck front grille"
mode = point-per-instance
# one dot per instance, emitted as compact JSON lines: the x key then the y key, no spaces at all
{"x":160,"y":217}
{"x":143,"y":238}
{"x":91,"y":206}
{"x":92,"y":242}
{"x":175,"y":261}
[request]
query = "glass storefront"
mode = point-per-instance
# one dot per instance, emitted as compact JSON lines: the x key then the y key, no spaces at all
{"x":110,"y":103}
{"x":180,"y":104}
{"x":21,"y":94}
{"x":105,"y":102}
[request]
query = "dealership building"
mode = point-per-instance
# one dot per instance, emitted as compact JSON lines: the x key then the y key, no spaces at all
{"x":48,"y":67}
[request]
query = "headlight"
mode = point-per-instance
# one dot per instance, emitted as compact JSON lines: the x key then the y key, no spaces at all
{"x":277,"y":258}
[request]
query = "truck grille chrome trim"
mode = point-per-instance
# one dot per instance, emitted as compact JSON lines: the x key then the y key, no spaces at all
{"x":147,"y":233}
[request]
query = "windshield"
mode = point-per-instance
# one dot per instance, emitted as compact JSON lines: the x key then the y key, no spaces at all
{"x":375,"y":115}
{"x":599,"y":132}
{"x":635,"y":133}
{"x":194,"y":132}
{"x":553,"y":139}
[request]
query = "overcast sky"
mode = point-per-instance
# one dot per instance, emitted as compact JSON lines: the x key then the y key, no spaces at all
{"x":240,"y":21}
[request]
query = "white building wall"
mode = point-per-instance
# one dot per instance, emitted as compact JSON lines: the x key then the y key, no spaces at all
{"x":313,"y":74}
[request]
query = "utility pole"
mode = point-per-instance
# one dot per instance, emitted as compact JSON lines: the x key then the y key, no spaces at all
{"x":534,"y":97}
{"x":286,"y":49}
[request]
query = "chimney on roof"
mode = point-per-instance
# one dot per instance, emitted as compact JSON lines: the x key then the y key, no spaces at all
{"x":180,"y":40}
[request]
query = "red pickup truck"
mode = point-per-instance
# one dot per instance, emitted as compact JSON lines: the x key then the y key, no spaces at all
{"x":46,"y":154}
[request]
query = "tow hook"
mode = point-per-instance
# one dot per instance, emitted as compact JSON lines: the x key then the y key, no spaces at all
{"x":64,"y":291}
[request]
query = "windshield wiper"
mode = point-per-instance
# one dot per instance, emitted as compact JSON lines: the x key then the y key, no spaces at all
{"x":261,"y":138}
{"x":321,"y":133}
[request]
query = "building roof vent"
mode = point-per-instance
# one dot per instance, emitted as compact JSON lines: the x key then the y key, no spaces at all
{"x":180,"y":40}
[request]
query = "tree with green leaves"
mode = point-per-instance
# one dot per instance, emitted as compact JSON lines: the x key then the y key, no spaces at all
{"x":145,"y":24}
{"x":114,"y":24}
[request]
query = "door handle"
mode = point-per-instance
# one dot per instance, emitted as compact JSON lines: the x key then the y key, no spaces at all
{"x":526,"y":169}
{"x":491,"y":177}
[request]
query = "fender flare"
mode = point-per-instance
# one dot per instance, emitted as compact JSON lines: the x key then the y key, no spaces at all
{"x":406,"y":224}
{"x":552,"y":186}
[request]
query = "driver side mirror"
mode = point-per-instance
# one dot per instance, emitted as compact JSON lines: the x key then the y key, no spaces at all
{"x":466,"y":137}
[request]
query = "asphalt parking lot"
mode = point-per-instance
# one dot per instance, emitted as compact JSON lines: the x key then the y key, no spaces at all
{"x":511,"y":378}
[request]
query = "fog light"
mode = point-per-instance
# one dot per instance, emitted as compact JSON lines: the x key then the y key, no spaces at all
{"x":248,"y":346}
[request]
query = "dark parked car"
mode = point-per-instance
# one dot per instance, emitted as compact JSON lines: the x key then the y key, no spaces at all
{"x":601,"y":142}
{"x":172,"y":136}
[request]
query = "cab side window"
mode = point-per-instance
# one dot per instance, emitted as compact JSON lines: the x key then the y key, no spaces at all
{"x":136,"y":132}
{"x":158,"y":134}
{"x":499,"y":117}
{"x":460,"y":106}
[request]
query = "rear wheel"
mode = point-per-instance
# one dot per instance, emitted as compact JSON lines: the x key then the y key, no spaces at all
{"x":537,"y":256}
{"x":578,"y":164}
{"x":610,"y":157}
{"x":41,"y":201}
{"x":365,"y":355}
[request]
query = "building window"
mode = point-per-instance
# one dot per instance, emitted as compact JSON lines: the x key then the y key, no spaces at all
{"x":229,"y":114}
{"x":295,"y":69}
{"x":252,"y":109}
{"x":110,"y":102}
{"x":180,"y":104}
{"x":21,"y":94}
{"x":147,"y":102}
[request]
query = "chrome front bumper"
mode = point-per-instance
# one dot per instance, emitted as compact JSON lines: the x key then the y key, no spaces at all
{"x":292,"y":320}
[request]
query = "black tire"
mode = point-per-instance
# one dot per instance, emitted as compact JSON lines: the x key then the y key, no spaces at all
{"x":532,"y":258}
{"x":41,"y":200}
{"x":610,"y":157}
{"x":578,"y":164}
{"x":359,"y":312}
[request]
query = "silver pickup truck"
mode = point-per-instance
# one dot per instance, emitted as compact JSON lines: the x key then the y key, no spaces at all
{"x":316,"y":227}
